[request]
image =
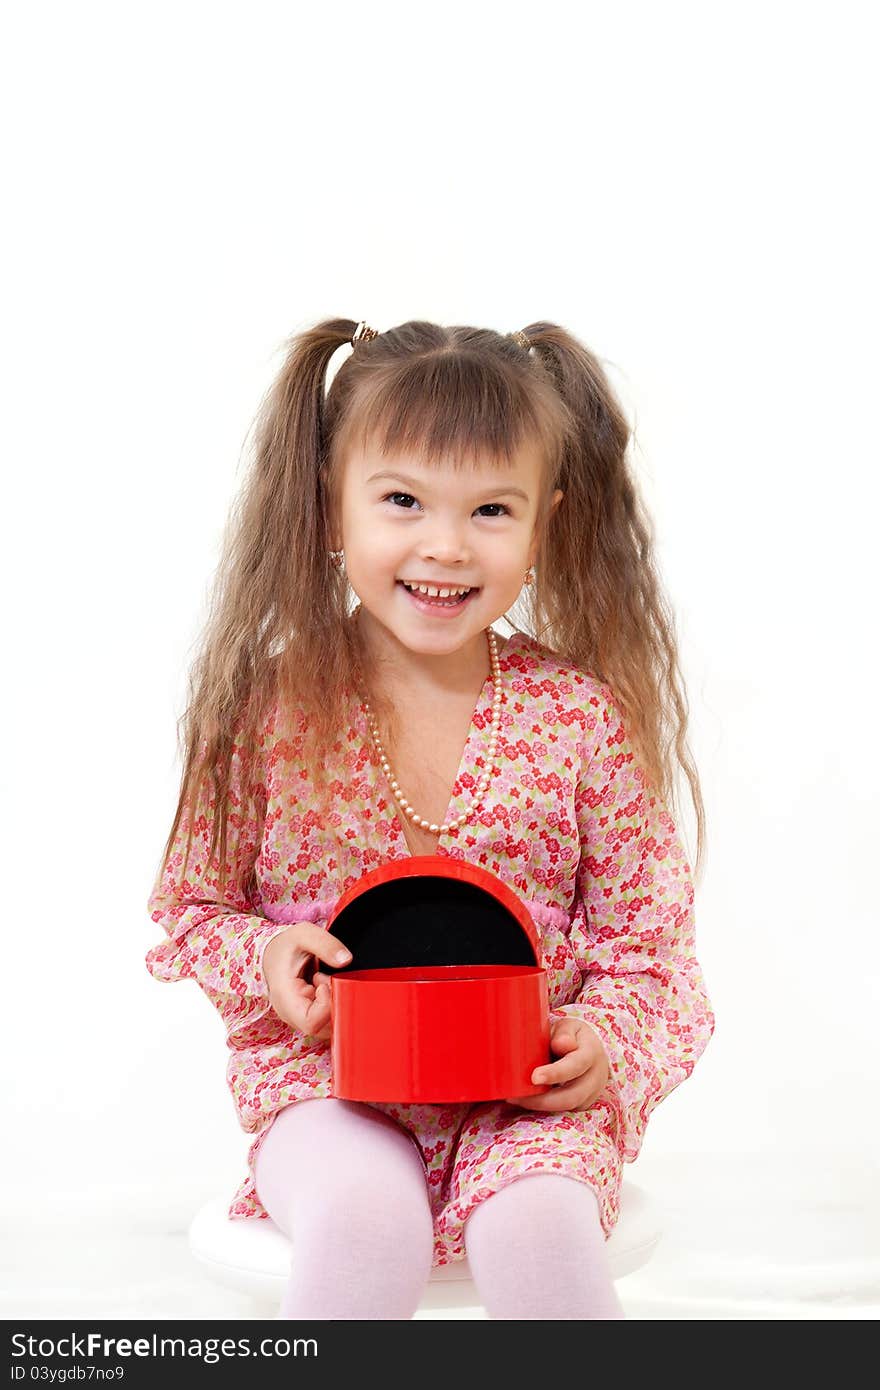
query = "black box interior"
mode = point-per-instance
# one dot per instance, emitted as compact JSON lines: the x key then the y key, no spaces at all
{"x":427,"y":920}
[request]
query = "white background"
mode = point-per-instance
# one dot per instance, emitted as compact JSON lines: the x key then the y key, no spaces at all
{"x":690,"y":189}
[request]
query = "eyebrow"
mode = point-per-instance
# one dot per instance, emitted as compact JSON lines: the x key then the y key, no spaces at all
{"x":414,"y":483}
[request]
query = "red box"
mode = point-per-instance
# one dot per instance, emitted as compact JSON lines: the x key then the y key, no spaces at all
{"x":444,"y":999}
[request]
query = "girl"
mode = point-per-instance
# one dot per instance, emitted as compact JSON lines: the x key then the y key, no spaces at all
{"x":352,"y":704}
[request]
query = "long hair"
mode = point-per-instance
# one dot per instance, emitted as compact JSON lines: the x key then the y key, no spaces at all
{"x":279,"y":632}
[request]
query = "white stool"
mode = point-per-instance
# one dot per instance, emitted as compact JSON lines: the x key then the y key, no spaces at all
{"x":253,"y":1256}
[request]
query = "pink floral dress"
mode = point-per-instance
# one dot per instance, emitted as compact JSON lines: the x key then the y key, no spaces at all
{"x":568,"y":825}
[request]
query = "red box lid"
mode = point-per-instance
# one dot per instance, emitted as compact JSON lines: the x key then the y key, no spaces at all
{"x":431,"y":909}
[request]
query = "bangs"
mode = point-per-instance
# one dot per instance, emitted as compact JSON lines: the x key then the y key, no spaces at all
{"x":451,"y":406}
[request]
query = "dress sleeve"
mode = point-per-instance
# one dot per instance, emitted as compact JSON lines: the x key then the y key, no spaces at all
{"x":633,"y":931}
{"x":217,"y":941}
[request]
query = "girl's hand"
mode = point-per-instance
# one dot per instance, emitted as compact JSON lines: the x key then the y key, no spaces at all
{"x":579,"y":1078}
{"x":288,"y":964}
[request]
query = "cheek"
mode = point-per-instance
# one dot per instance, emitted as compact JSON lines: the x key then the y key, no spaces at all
{"x":375,"y":554}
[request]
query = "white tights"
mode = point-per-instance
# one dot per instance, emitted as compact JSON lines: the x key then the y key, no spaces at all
{"x":347,"y":1185}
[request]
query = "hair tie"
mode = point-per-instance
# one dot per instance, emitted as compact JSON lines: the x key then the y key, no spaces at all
{"x":362,"y":333}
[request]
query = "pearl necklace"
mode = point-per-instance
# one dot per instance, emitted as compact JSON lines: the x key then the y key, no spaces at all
{"x":485,"y":779}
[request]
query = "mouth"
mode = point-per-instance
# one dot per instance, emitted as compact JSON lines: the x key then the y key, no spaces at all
{"x":439,"y":607}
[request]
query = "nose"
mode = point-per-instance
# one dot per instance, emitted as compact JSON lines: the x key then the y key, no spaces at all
{"x":445,"y":545}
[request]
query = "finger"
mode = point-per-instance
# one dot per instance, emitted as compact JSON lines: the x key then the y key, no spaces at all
{"x":296,"y":1004}
{"x":570,"y":1097}
{"x":331,"y":950}
{"x":318,"y":1014}
{"x":564,"y":1042}
{"x":548,"y":1101}
{"x":557,"y":1073}
{"x":314,"y":1011}
{"x":322,"y":944}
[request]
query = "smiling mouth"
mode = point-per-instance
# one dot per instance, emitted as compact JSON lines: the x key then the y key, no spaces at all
{"x":434,"y":601}
{"x":460,"y":590}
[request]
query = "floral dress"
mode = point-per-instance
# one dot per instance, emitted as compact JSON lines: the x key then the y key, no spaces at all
{"x":568,"y":824}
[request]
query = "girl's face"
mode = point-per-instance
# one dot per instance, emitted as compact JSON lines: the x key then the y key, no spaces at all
{"x":406,"y":522}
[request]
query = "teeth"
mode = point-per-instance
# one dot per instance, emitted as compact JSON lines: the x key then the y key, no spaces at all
{"x":432,"y":592}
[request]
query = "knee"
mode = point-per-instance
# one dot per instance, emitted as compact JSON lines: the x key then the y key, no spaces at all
{"x":538,"y":1207}
{"x":336,"y":1169}
{"x":370,"y":1197}
{"x":370,"y":1218}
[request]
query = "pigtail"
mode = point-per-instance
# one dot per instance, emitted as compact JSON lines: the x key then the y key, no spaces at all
{"x":273,"y":581}
{"x":598,"y":597}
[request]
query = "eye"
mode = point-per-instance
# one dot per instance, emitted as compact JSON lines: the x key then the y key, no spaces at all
{"x":389,"y":495}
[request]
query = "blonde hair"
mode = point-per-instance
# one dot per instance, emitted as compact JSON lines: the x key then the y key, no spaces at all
{"x":279,"y":631}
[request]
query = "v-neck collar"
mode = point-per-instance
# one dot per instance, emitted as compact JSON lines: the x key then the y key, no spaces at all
{"x":458,"y":801}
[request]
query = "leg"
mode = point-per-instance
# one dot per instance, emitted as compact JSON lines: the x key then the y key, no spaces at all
{"x":348,"y":1187}
{"x":537,"y":1251}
